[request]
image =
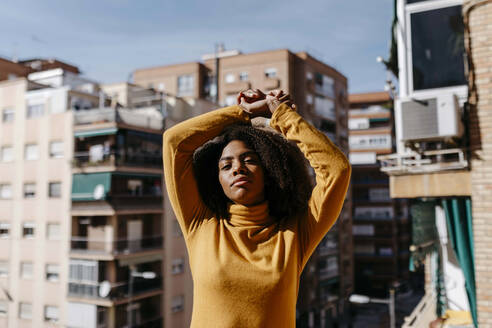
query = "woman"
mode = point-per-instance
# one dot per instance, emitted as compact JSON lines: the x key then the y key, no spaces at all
{"x":247,"y":256}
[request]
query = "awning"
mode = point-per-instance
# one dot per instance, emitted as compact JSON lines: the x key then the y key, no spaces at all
{"x":94,"y":133}
{"x":459,"y":217}
{"x":91,"y":186}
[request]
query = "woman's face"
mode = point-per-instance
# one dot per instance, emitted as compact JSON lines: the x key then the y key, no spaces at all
{"x":241,"y":175}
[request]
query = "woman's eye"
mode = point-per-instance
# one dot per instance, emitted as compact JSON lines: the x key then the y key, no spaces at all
{"x":226,"y":167}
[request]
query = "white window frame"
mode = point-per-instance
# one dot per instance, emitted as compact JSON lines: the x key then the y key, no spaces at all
{"x":51,"y":313}
{"x":177,"y":303}
{"x":8,"y":112}
{"x":5,"y":191}
{"x":230,"y":78}
{"x":52,"y":272}
{"x":243,"y":76}
{"x":26,"y":307}
{"x":54,"y":152}
{"x":35,"y":152}
{"x":4,"y":225}
{"x":26,"y":274}
{"x":10,"y":151}
{"x":35,"y":110}
{"x":49,"y":232}
{"x":177,"y":266}
{"x":268,"y":72}
{"x":4,"y":272}
{"x":28,"y":225}
{"x":416,"y":8}
{"x":29,"y":190}
{"x":50,"y":185}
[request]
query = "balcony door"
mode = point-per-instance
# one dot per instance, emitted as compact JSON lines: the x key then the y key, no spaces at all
{"x":134,"y":228}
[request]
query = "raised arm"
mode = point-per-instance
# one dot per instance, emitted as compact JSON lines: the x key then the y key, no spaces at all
{"x":179,"y":144}
{"x":332,"y":171}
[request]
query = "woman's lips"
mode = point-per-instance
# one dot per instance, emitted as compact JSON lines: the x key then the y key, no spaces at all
{"x":240,"y":182}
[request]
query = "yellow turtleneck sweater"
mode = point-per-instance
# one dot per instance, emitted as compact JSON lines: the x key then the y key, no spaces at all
{"x":246,"y":269}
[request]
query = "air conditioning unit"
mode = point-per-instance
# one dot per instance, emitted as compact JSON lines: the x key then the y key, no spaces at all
{"x":431,"y":119}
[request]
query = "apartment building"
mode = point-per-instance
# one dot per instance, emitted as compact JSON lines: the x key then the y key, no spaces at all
{"x":442,"y":158}
{"x":381,"y":226}
{"x":321,"y":95}
{"x":35,"y":186}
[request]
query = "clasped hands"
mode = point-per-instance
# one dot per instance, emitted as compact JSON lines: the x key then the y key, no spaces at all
{"x":259,"y":104}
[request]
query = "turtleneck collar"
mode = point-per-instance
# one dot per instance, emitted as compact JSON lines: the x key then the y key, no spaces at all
{"x":256,"y":215}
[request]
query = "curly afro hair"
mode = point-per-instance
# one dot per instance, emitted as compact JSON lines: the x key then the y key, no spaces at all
{"x":287,"y":180}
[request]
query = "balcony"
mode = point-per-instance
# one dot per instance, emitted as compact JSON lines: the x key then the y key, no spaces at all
{"x":149,"y":117}
{"x":117,"y":291}
{"x":117,"y":247}
{"x":83,"y":159}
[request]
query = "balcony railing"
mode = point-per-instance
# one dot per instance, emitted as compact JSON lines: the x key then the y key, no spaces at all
{"x":425,"y":162}
{"x":117,"y":158}
{"x":121,"y":246}
{"x":328,"y":273}
{"x":118,"y":290}
{"x":143,"y":117}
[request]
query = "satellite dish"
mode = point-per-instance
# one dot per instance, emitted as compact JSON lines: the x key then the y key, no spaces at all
{"x":104,"y":288}
{"x":98,"y":192}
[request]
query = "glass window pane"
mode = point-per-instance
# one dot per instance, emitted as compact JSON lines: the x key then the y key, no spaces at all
{"x":53,"y":231}
{"x":35,"y":110}
{"x":25,"y":310}
{"x":26,"y":270}
{"x":31,"y":152}
{"x":7,"y":154}
{"x":4,"y":268}
{"x":438,"y":48}
{"x":54,"y":189}
{"x":56,"y":149}
{"x":52,"y":272}
{"x":5,"y":191}
{"x":51,"y":313}
{"x":29,"y":190}
{"x":4,"y":229}
{"x":8,"y":115}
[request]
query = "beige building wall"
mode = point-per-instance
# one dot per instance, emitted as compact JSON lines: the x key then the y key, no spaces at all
{"x":40,"y":210}
{"x":478,"y":20}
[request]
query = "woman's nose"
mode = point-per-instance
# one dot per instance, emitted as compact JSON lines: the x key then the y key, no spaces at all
{"x":238,"y":168}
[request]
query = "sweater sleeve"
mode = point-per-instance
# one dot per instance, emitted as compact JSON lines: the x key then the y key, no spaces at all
{"x":179,"y":144}
{"x":332,"y":171}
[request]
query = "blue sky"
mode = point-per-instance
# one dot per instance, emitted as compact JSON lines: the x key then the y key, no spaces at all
{"x":108,"y":39}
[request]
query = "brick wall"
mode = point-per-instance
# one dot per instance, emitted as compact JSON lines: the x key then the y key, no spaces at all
{"x":478,"y":15}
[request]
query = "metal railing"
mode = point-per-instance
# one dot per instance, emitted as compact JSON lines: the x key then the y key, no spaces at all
{"x":423,"y":314}
{"x":142,"y":158}
{"x":118,"y":290}
{"x":120,"y":246}
{"x":425,"y":162}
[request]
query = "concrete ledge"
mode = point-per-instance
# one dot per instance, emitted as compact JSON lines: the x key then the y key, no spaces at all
{"x":441,"y":184}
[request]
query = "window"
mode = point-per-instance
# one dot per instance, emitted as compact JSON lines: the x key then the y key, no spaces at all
{"x":243,"y":76}
{"x":438,"y":57}
{"x":52,"y":272}
{"x":177,"y":266}
{"x":54,"y":190}
{"x":230,"y":100}
{"x":35,"y":110}
{"x":51,"y":313}
{"x":161,"y":87}
{"x":28,"y":229}
{"x":25,"y":310}
{"x":7,"y":154}
{"x":230,"y":78}
{"x":4,"y":229}
{"x":26,"y":270}
{"x":56,"y":149}
{"x":3,"y":308}
{"x":5,"y":191}
{"x":29,"y":190}
{"x":83,"y":270}
{"x":53,"y":231}
{"x":8,"y":115}
{"x":177,"y":303}
{"x":186,"y":85}
{"x":31,"y":152}
{"x":325,"y":108}
{"x":4,"y":269}
{"x":270,"y":72}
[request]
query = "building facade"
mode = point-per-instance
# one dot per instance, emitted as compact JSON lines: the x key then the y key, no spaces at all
{"x":381,"y":226}
{"x":321,"y":95}
{"x":441,"y":117}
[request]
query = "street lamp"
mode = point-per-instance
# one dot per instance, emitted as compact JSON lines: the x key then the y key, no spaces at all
{"x":134,"y":273}
{"x":363,"y":299}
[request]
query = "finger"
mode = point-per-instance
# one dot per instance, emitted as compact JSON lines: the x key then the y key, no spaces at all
{"x":284,"y":98}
